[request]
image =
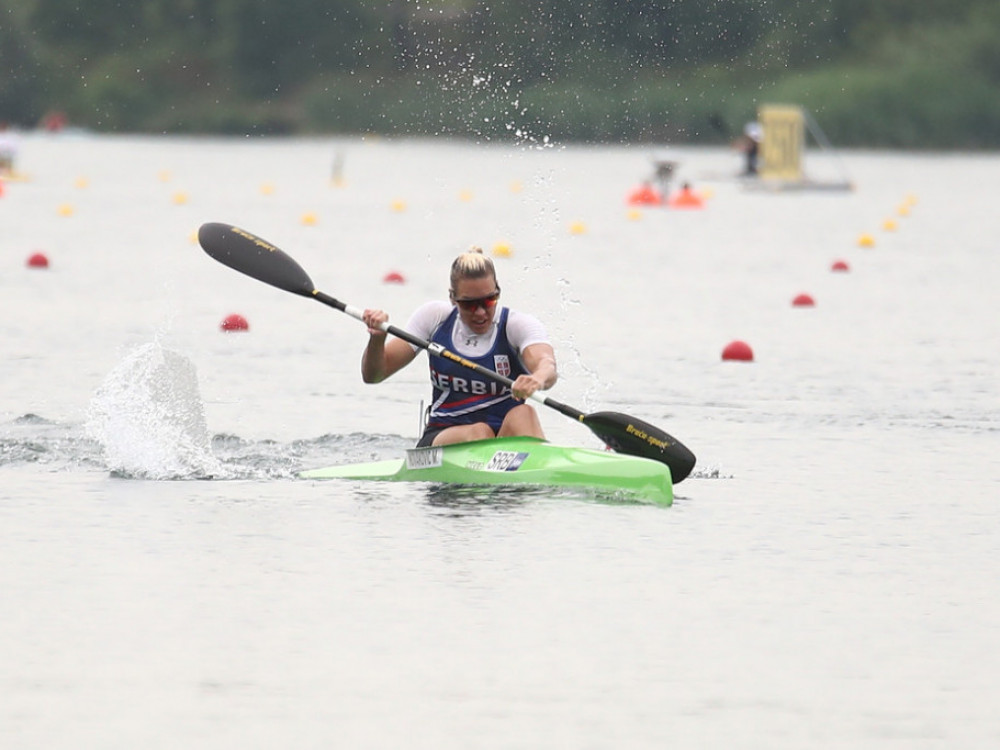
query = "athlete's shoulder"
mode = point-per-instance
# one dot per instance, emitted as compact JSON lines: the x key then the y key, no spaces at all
{"x":524,"y":329}
{"x":520,"y":315}
{"x":426,"y":318}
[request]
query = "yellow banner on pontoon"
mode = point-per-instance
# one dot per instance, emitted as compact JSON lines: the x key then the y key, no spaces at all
{"x":784,"y":140}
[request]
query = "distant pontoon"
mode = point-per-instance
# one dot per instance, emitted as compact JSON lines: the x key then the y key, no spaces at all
{"x":782,"y":148}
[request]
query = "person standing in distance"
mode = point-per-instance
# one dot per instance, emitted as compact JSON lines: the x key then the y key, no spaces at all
{"x":466,"y":406}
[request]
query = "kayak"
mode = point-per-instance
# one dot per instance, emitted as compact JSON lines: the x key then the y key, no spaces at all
{"x":517,"y":461}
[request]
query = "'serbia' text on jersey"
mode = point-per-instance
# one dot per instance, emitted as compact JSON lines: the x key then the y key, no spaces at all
{"x":465,"y":385}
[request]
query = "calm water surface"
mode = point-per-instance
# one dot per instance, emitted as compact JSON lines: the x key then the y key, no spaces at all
{"x":827,"y":578}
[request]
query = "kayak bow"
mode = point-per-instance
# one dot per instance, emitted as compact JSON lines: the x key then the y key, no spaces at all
{"x":516,"y":460}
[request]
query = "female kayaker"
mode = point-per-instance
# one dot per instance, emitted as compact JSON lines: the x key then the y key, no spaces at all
{"x":465,"y":405}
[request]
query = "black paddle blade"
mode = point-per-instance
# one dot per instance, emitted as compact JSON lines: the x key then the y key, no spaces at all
{"x":626,"y":434}
{"x":257,"y":258}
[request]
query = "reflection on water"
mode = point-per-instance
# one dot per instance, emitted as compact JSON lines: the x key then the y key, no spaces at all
{"x":474,"y":499}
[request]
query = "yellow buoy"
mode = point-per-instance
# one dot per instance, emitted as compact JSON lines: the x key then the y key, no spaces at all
{"x":577,"y":227}
{"x":866,"y":240}
{"x":309,"y":219}
{"x":502,"y":250}
{"x":903,"y":210}
{"x":81,"y":182}
{"x":465,"y":196}
{"x":398,"y":206}
{"x":889,"y":225}
{"x":516,"y":187}
{"x":180,"y":198}
{"x":164,"y":175}
{"x":266,"y":188}
{"x":65,"y":210}
{"x":634,"y":214}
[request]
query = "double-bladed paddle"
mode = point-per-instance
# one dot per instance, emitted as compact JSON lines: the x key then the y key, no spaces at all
{"x":259,"y":259}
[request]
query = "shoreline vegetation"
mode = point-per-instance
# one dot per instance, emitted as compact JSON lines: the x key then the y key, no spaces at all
{"x":917,"y":75}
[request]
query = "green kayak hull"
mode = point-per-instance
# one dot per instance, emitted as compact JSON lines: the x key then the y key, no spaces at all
{"x":517,"y":460}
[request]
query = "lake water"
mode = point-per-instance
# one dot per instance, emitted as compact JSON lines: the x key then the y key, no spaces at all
{"x":826,"y":578}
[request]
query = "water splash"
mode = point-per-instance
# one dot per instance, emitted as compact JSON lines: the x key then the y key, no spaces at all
{"x":712,"y":471}
{"x":149,"y":418}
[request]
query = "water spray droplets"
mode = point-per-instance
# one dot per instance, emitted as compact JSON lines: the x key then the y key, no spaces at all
{"x":149,"y":419}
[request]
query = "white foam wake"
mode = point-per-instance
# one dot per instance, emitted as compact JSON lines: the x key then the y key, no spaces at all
{"x":149,"y":418}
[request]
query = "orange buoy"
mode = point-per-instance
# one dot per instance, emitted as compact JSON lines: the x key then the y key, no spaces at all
{"x":840,"y":265}
{"x":739,"y":351}
{"x":393,"y":277}
{"x":645,"y":195}
{"x":686,"y":198}
{"x":235,"y":322}
{"x":38,"y":260}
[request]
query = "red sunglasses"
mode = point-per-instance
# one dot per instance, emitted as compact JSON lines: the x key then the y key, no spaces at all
{"x":487,"y":303}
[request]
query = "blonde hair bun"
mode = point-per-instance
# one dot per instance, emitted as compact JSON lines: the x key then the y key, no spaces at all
{"x":472,"y":264}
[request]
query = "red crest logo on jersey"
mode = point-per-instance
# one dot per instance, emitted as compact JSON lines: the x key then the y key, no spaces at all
{"x":501,"y":363}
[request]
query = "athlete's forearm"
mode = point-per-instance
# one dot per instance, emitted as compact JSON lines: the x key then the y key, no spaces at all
{"x":545,"y":371}
{"x":373,"y":367}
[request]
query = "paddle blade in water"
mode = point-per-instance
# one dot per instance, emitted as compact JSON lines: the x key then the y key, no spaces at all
{"x":257,"y":258}
{"x":626,"y":434}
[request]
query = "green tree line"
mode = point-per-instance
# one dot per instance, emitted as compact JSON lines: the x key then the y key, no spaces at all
{"x":906,"y":73}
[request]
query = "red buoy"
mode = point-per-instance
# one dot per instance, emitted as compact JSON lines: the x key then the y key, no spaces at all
{"x":393,"y":277}
{"x":38,"y":260}
{"x":840,"y":265}
{"x":739,"y":351}
{"x":235,"y":322}
{"x":803,"y":300}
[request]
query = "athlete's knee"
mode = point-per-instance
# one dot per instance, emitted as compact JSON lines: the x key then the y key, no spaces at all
{"x":464,"y":433}
{"x":522,"y":420}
